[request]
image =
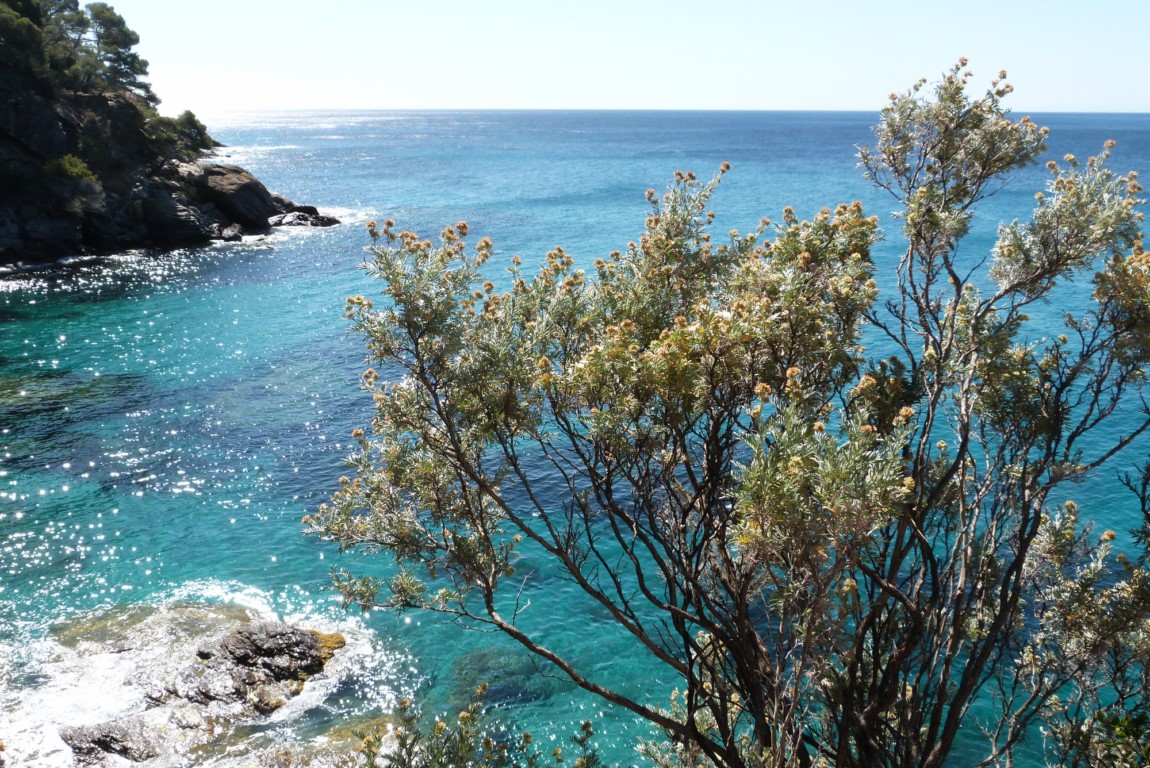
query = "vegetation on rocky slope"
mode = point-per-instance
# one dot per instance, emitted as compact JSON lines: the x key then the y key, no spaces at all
{"x":87,"y":164}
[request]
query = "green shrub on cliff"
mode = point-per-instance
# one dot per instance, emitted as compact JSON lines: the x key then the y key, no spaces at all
{"x":69,"y":167}
{"x":179,"y":138}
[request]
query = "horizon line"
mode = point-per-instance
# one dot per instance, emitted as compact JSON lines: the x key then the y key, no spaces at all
{"x":1014,"y":110}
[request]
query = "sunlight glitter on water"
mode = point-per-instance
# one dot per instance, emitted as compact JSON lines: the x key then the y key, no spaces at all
{"x":203,"y":399}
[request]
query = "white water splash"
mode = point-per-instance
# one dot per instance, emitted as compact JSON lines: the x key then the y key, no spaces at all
{"x":95,"y":668}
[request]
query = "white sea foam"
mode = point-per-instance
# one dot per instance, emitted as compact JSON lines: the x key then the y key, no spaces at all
{"x":66,"y":679}
{"x":349,"y":215}
{"x":62,"y":686}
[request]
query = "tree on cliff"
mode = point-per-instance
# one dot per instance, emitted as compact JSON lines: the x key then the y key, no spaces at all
{"x":841,"y":560}
{"x":75,"y":50}
{"x":58,"y":50}
{"x":21,"y":39}
{"x":121,"y":68}
{"x":65,"y":33}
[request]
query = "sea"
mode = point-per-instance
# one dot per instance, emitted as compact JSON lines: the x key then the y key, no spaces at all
{"x":167,"y":419}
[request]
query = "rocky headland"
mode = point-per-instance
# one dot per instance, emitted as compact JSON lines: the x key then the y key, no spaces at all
{"x":87,"y":163}
{"x":54,"y":209}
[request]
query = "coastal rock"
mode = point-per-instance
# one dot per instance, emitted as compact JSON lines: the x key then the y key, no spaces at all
{"x":241,"y":196}
{"x":232,"y":233}
{"x":292,"y":215}
{"x":281,"y":651}
{"x":157,"y":733}
{"x":80,"y":176}
{"x":9,"y":231}
{"x":93,"y":744}
{"x":252,"y":670}
{"x":302,"y":219}
{"x":170,"y":220}
{"x":202,"y":671}
{"x":45,"y":230}
{"x":29,"y":126}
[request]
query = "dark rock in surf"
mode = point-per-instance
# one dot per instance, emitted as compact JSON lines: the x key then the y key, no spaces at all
{"x":302,"y":219}
{"x":92,"y":744}
{"x":202,"y":671}
{"x":281,"y":651}
{"x":232,"y":233}
{"x":239,"y":195}
{"x":253,"y":669}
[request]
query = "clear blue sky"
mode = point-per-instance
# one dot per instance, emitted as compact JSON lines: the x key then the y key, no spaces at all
{"x":215,"y":56}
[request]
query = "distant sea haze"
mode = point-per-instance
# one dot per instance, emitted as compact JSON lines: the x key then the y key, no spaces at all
{"x":165,"y":421}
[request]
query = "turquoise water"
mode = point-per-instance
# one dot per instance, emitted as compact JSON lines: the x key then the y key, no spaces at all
{"x":165,"y":421}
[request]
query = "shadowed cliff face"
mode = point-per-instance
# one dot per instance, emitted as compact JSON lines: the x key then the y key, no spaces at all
{"x":81,"y":175}
{"x":88,"y":166}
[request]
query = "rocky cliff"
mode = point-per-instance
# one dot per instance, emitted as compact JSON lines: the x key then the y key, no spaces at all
{"x":87,"y":164}
{"x":81,"y":176}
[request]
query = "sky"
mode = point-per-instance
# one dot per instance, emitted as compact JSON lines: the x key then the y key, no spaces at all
{"x":219,"y":56}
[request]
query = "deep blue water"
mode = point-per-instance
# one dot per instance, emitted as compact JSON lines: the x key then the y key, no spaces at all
{"x":165,"y":421}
